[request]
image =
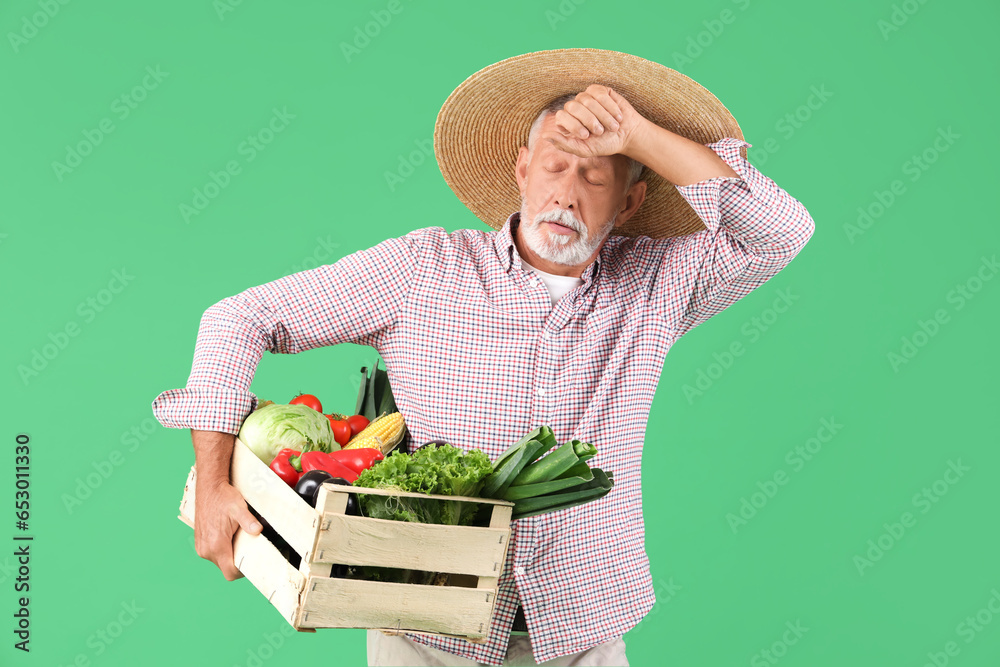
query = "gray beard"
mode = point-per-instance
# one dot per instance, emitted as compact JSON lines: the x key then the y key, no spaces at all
{"x":568,"y":250}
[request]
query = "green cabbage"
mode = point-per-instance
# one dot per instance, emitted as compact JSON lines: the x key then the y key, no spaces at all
{"x":275,"y":426}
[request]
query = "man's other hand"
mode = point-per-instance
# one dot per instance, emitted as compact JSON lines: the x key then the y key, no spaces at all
{"x":219,"y":511}
{"x":219,"y":507}
{"x":598,"y":122}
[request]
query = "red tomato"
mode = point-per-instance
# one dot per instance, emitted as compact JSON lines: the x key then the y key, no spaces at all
{"x":341,"y":430}
{"x":307,"y":400}
{"x":358,"y":423}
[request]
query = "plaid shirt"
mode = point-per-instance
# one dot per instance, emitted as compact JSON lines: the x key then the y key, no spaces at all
{"x":477,"y":355}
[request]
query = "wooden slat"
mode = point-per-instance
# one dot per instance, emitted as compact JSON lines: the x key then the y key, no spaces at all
{"x":259,"y":561}
{"x":392,"y":632}
{"x":348,"y":603}
{"x":309,"y":567}
{"x":277,"y":502}
{"x":264,"y":566}
{"x":487,"y":583}
{"x":501,"y":516}
{"x":335,"y":503}
{"x":186,"y":513}
{"x":355,"y":540}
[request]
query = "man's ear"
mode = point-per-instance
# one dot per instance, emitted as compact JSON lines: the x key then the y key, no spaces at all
{"x":632,"y":200}
{"x":521,"y":170}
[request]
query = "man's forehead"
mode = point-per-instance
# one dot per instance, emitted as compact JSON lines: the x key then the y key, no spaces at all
{"x":602,"y":162}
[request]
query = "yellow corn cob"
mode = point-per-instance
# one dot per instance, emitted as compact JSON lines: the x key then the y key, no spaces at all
{"x":371,"y":441}
{"x":384,"y":433}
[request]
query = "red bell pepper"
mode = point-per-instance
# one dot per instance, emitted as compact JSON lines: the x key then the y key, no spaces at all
{"x":284,"y":468}
{"x":359,"y":459}
{"x":323,"y":461}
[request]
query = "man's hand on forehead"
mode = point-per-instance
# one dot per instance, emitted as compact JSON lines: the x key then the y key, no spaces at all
{"x":598,"y":122}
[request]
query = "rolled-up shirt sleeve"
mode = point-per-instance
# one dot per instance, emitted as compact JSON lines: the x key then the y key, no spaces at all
{"x":354,"y":300}
{"x":753,"y":229}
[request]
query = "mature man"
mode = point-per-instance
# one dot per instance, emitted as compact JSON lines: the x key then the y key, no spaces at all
{"x":553,"y":318}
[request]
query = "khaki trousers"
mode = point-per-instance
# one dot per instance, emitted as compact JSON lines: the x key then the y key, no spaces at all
{"x":401,"y":651}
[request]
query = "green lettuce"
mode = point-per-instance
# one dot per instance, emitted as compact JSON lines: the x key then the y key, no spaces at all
{"x":443,"y":470}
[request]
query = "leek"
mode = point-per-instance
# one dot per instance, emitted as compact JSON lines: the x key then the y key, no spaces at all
{"x":578,"y":495}
{"x":541,"y":488}
{"x":556,"y":481}
{"x":555,"y":464}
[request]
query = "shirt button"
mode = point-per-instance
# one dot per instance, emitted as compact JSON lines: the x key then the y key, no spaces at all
{"x":546,"y":334}
{"x":519,"y":570}
{"x":541,"y":392}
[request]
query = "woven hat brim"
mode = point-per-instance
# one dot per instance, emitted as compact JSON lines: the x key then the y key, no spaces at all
{"x":486,"y":119}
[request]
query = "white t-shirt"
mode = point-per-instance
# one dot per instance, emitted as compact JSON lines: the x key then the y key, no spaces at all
{"x":558,"y":285}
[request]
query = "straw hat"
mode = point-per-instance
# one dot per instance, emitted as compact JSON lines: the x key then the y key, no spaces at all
{"x":486,"y":120}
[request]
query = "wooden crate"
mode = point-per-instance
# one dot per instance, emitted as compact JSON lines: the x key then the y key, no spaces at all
{"x":309,"y":598}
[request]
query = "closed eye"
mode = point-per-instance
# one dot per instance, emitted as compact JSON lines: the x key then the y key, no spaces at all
{"x":553,"y":171}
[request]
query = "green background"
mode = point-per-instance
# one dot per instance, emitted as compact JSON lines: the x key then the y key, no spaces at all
{"x":319,"y":192}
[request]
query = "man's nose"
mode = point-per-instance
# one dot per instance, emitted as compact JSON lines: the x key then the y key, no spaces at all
{"x":567,"y":191}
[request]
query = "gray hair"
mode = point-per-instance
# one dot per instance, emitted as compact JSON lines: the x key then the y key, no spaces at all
{"x":634,"y":167}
